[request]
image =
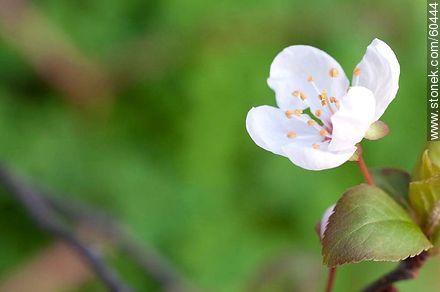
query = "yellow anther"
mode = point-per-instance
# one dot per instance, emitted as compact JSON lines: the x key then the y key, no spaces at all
{"x":323,"y":95}
{"x":310,"y":78}
{"x":357,"y":72}
{"x":297,"y":112}
{"x":333,"y":99}
{"x":315,"y":146}
{"x":318,"y":113}
{"x":296,"y":93}
{"x":302,"y":96}
{"x":291,"y":135}
{"x":334,"y":73}
{"x":311,"y":122}
{"x":289,"y":113}
{"x":323,"y":133}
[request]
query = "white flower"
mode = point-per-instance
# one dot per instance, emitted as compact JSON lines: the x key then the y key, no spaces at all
{"x":307,"y":81}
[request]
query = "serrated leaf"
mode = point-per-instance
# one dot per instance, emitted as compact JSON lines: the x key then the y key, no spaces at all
{"x":369,"y":225}
{"x":434,"y":152}
{"x":423,"y":196}
{"x":427,"y":167}
{"x":428,"y":164}
{"x":394,"y":182}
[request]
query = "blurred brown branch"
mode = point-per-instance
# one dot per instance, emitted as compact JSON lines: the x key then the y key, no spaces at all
{"x":147,"y":258}
{"x":56,"y":268}
{"x":54,"y":215}
{"x":52,"y":54}
{"x":407,"y":269}
{"x":48,"y":220}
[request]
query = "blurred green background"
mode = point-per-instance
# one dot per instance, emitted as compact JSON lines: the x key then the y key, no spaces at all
{"x":138,"y":108}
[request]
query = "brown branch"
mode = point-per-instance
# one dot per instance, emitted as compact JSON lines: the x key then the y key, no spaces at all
{"x":53,"y":55}
{"x":55,"y":216}
{"x":48,"y":220}
{"x":407,"y":269}
{"x":150,"y":260}
{"x":55,"y":268}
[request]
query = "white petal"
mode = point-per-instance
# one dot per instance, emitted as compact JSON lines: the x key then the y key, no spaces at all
{"x":292,"y":67}
{"x":309,"y":158}
{"x":324,"y":220}
{"x":379,"y":72}
{"x":268,"y":127}
{"x":352,"y":120}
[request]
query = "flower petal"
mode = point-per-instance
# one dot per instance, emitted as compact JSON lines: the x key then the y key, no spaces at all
{"x":324,"y":220}
{"x":290,"y":71}
{"x":269,"y":128}
{"x":310,"y":158}
{"x":352,"y":120}
{"x":379,"y":71}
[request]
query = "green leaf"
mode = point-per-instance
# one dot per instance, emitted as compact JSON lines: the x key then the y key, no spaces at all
{"x":434,"y":152}
{"x":394,"y":182}
{"x":436,"y":237}
{"x":424,"y":195}
{"x":369,"y":225}
{"x":427,"y":167}
{"x":429,"y":162}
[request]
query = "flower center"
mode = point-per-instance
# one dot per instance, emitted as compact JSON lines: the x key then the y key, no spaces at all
{"x":323,"y":108}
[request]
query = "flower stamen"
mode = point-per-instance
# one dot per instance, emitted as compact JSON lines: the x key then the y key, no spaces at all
{"x":356,"y":73}
{"x":334,"y":72}
{"x":311,"y":122}
{"x":335,"y":101}
{"x":324,"y":133}
{"x":312,"y":81}
{"x":299,"y":94}
{"x":323,"y":98}
{"x":290,"y":113}
{"x":324,"y":101}
{"x":291,"y":135}
{"x":315,"y":146}
{"x":296,"y":93}
{"x":297,"y":112}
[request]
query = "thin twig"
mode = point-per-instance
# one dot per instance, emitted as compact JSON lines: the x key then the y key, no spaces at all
{"x":407,"y":269}
{"x":364,"y":169}
{"x":56,"y":59}
{"x":153,"y":263}
{"x":331,"y":279}
{"x":48,"y":220}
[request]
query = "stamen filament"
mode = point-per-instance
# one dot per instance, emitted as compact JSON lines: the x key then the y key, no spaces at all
{"x":356,"y":73}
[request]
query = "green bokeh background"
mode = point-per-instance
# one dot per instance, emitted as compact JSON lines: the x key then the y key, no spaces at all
{"x":171,"y":157}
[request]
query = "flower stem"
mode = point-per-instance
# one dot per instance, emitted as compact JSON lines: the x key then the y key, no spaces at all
{"x":364,"y":170}
{"x":330,"y":279}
